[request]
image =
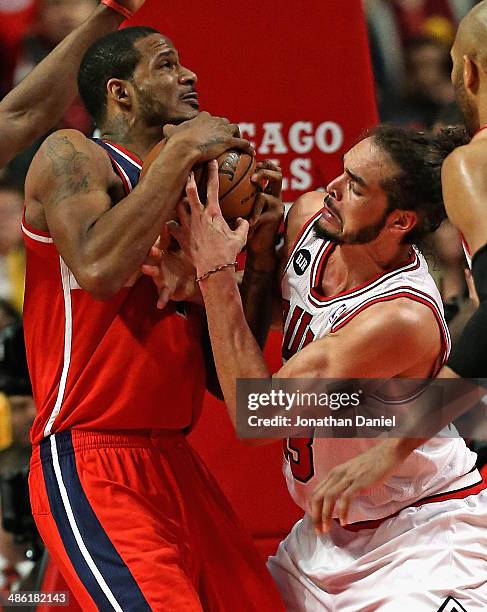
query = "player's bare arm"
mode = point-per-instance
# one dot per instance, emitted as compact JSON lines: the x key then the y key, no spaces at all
{"x":465,"y":191}
{"x":391,"y":334}
{"x":40,"y":100}
{"x":71,"y":190}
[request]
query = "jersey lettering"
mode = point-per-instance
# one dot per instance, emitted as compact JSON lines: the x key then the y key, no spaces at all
{"x":297,"y":329}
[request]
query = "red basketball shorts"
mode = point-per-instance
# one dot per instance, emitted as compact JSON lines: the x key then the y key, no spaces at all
{"x":136,"y":522}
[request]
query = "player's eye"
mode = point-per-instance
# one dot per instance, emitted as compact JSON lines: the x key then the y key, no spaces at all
{"x":352,"y":186}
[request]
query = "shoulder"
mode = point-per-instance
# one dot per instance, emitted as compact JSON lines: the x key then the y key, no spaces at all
{"x":466,"y":158}
{"x":406,"y":319}
{"x":300,"y":212}
{"x":70,"y":144}
{"x":63,"y":154}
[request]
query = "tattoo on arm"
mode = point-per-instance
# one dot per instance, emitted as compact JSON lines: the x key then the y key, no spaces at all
{"x":69,"y":164}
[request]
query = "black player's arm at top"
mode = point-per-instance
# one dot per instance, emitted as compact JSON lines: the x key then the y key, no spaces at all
{"x":40,"y":100}
{"x":464,"y":183}
{"x":258,"y":288}
{"x":102,"y":244}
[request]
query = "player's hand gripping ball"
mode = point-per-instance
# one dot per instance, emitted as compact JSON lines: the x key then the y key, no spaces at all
{"x":237,"y":194}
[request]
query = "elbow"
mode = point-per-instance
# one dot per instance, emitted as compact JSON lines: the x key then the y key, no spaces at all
{"x":100,"y":284}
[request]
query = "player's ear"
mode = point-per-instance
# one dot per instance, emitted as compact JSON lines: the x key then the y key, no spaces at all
{"x":120,"y":92}
{"x":470,"y":74}
{"x":403,"y":221}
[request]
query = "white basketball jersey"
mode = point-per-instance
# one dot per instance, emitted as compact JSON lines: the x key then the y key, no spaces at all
{"x":309,"y":315}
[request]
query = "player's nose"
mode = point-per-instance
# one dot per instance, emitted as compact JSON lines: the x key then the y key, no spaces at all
{"x":334,"y":190}
{"x":187,"y":76}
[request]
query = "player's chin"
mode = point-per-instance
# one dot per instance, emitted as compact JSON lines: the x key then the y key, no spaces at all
{"x":185,"y":112}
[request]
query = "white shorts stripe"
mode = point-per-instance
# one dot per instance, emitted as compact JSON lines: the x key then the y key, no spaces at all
{"x":74,"y":527}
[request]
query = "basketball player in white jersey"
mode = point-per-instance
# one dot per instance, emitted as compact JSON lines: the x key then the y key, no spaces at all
{"x":465,"y":194}
{"x":39,"y":101}
{"x":359,"y":302}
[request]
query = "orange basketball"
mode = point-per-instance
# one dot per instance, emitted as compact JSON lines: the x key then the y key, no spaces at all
{"x":236,"y":193}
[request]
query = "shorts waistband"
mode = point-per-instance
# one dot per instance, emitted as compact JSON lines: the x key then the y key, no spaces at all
{"x":468,"y":484}
{"x":66,"y":442}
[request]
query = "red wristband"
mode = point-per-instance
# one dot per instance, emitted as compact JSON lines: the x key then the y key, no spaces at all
{"x":116,"y":6}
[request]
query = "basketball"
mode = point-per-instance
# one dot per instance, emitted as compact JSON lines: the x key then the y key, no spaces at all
{"x":236,"y":194}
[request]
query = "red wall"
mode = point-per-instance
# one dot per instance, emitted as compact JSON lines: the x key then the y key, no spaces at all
{"x":303,"y":69}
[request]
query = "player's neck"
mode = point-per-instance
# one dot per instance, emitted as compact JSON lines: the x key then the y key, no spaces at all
{"x":352,"y":265}
{"x":137,"y":138}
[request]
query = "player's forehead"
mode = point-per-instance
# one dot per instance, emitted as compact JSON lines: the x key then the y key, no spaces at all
{"x":367,"y":159}
{"x":153,"y":46}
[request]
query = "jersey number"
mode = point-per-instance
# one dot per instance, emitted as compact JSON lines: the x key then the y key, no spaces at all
{"x":299,"y":455}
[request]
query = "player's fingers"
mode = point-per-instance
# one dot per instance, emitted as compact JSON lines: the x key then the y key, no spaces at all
{"x":192,"y":193}
{"x":150,"y":270}
{"x":259,"y":205}
{"x":273,"y":178}
{"x":346,"y":497}
{"x":212,"y":203}
{"x":343,"y":506}
{"x":164,"y":296}
{"x":168,"y":129}
{"x":327,"y":508}
{"x":156,"y":253}
{"x":235,"y":129}
{"x":267,"y":163}
{"x":315,"y":512}
{"x":243,"y":145}
{"x":242,"y":229}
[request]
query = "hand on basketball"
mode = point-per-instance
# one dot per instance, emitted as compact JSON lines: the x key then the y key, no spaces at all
{"x":344,"y":482}
{"x":209,"y":136}
{"x":268,"y":210}
{"x":203,"y":233}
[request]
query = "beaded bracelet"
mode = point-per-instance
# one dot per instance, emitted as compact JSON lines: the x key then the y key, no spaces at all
{"x":218,"y":269}
{"x":116,"y":6}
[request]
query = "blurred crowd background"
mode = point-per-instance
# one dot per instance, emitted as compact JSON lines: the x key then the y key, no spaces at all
{"x":410,"y":42}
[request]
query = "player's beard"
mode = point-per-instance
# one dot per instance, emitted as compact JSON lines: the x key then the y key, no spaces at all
{"x":363,"y":235}
{"x":156,"y":114}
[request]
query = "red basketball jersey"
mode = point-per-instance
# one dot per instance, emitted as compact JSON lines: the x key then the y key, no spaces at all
{"x":111,"y":365}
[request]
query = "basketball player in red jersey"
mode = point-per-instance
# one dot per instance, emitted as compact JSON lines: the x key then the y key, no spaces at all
{"x":39,"y":101}
{"x":358,"y":303}
{"x":464,"y":180}
{"x":125,"y":507}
